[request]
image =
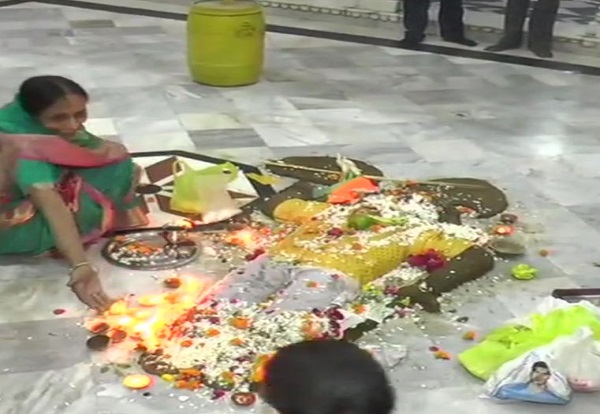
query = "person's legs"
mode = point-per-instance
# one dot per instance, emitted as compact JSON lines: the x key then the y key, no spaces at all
{"x":514,"y":19}
{"x":452,"y":28}
{"x":416,"y":18}
{"x":541,"y":27}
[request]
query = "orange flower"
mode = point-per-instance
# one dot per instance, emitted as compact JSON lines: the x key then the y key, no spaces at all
{"x":311,"y":329}
{"x":191,"y":372}
{"x":241,"y":323}
{"x":186,"y":343}
{"x":212,"y":332}
{"x":469,"y":336}
{"x":442,"y":355}
{"x":357,"y":246}
{"x":359,"y":308}
{"x":237,"y":342}
{"x":188,"y":385}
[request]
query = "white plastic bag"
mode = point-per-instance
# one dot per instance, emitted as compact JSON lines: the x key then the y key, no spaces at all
{"x":530,"y":378}
{"x":579,"y":361}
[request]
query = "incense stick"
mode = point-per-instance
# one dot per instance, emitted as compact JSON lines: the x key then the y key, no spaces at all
{"x":371,"y":177}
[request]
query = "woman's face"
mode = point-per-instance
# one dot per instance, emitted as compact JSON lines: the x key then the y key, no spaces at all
{"x":66,"y":117}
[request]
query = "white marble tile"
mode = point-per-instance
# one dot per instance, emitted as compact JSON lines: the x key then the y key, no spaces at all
{"x":139,"y":127}
{"x":101,"y":126}
{"x":251,"y":156}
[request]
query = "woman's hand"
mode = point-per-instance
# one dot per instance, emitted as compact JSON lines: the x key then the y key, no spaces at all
{"x":85,"y":283}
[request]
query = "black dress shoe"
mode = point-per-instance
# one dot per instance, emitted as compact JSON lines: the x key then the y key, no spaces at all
{"x":504,"y":44}
{"x":411,"y":42}
{"x":543,"y":53}
{"x":461,"y":41}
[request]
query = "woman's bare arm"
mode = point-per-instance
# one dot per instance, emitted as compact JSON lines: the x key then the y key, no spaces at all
{"x":62,"y":223}
{"x":83,"y":277}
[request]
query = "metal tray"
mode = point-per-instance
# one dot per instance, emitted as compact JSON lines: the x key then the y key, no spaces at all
{"x":153,"y":241}
{"x":575,"y":295}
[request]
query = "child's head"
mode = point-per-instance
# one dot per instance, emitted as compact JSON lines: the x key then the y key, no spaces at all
{"x":326,"y":377}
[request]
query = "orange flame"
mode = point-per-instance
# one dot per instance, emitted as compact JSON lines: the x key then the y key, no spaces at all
{"x":147,"y":320}
{"x":248,"y":239}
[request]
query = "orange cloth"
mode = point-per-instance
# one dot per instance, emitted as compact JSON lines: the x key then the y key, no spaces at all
{"x":352,"y":191}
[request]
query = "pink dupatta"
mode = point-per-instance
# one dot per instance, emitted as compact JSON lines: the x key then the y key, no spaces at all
{"x":58,"y":151}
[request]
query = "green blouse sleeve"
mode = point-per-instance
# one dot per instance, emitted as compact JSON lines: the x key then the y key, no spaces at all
{"x":30,"y":173}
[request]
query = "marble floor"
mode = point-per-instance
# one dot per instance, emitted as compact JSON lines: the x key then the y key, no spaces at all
{"x":531,"y":131}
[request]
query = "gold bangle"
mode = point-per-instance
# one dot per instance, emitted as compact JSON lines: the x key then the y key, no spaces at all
{"x":79,"y":266}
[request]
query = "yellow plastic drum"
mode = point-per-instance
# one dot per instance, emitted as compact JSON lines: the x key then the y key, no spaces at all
{"x":225,"y":41}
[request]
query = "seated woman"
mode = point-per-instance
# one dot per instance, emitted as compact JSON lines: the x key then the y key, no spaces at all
{"x":61,"y":187}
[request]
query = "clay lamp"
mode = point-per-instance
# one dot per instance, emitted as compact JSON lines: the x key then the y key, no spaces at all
{"x":508,"y":218}
{"x":172,"y":283}
{"x":243,"y":399}
{"x":503,"y":230}
{"x":98,"y":342}
{"x":137,"y":381}
{"x":508,"y":246}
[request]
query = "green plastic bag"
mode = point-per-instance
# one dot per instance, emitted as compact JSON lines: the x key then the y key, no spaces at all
{"x":201,"y":191}
{"x":512,"y":341}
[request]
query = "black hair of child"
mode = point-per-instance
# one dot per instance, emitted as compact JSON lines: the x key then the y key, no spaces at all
{"x":326,"y":377}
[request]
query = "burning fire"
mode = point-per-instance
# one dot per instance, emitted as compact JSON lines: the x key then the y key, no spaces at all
{"x":144,"y":322}
{"x":248,"y":239}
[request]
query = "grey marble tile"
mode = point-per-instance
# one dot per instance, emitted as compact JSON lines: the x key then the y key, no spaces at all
{"x":229,"y":138}
{"x":32,"y":393}
{"x":305,"y":150}
{"x":381,"y":153}
{"x":437,"y":97}
{"x":30,"y":14}
{"x":37,"y":33}
{"x":117,"y":31}
{"x":448,"y":150}
{"x":91,"y":24}
{"x":42,"y":345}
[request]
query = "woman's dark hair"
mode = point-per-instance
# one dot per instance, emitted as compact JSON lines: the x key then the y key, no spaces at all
{"x":41,"y":92}
{"x":326,"y":377}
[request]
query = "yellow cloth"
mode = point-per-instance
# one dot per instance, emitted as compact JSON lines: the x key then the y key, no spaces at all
{"x":296,"y":211}
{"x":366,"y":256}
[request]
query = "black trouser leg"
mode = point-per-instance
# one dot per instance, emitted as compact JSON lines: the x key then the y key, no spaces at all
{"x":416,"y":18}
{"x":514,"y":19}
{"x":541,"y":25}
{"x":451,"y":19}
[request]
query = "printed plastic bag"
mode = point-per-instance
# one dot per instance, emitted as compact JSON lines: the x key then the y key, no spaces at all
{"x":579,"y":361}
{"x":204,"y":192}
{"x":519,"y":337}
{"x":531,"y":378}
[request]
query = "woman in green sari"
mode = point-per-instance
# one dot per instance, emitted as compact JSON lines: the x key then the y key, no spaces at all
{"x":61,"y":187}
